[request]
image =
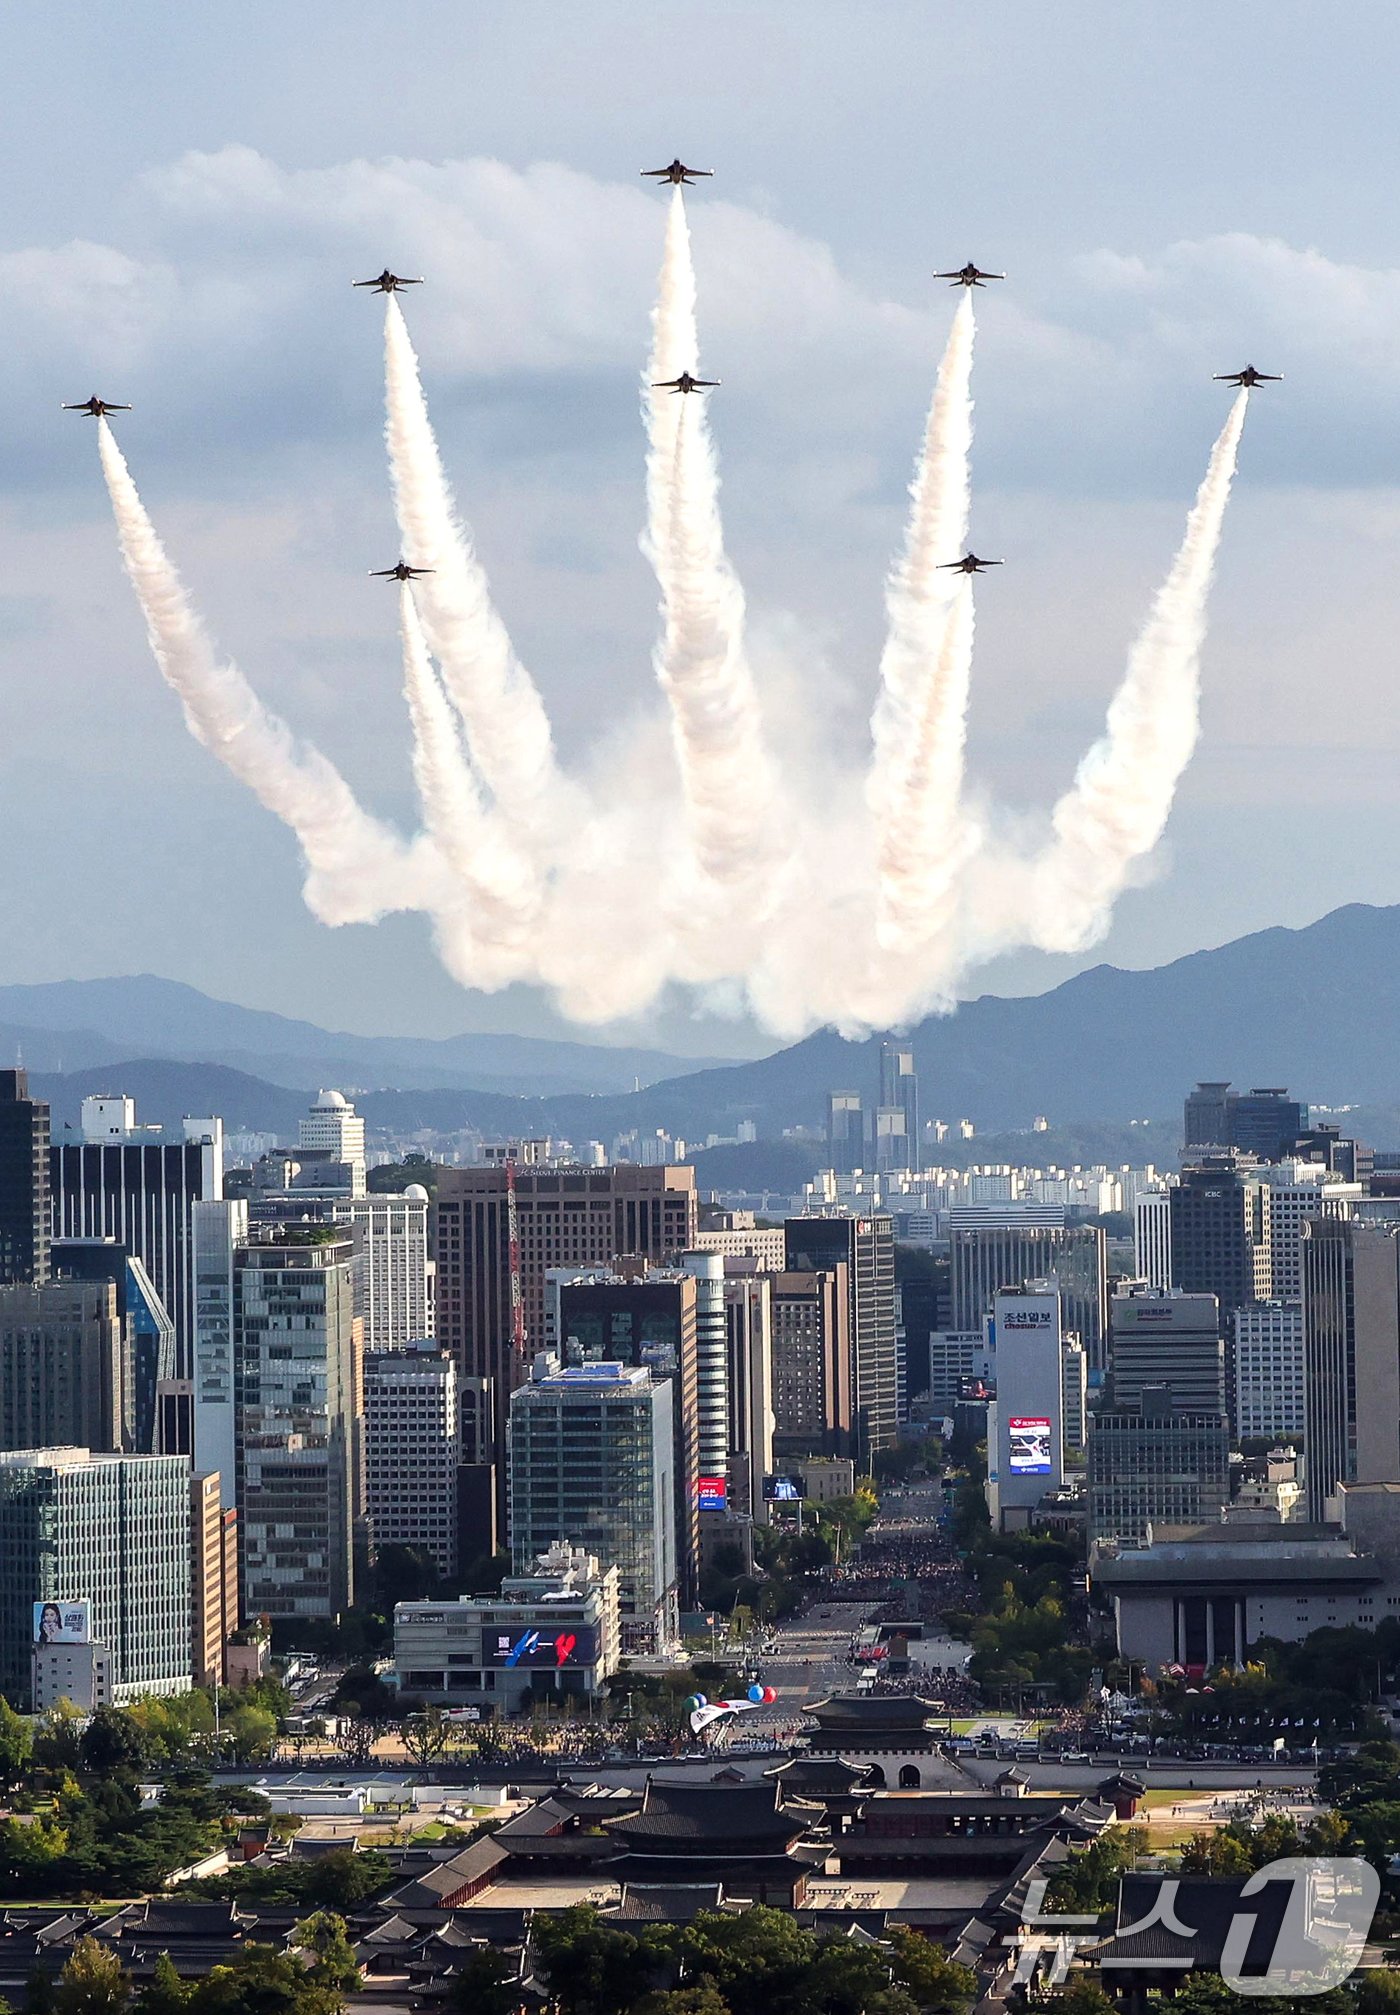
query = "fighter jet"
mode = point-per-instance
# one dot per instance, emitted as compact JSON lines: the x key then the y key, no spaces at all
{"x":685,"y":383}
{"x":969,"y":276}
{"x":677,"y":172}
{"x":96,"y":407}
{"x":1249,"y":376}
{"x":968,"y":564}
{"x":387,"y":283}
{"x":401,"y":572}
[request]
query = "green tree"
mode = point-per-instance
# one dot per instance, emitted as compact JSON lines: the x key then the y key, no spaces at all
{"x":1083,"y":1996}
{"x":16,"y":1743}
{"x":111,"y":1745}
{"x":704,"y":1999}
{"x":588,"y":1967}
{"x":58,"y":1737}
{"x":94,"y":1982}
{"x":165,"y":1993}
{"x":426,"y":1736}
{"x":1217,"y":1853}
{"x":250,"y":1731}
{"x":260,"y":1980}
{"x":1378,"y":1993}
{"x":933,"y":1979}
{"x":488,"y":1983}
{"x":322,"y":1939}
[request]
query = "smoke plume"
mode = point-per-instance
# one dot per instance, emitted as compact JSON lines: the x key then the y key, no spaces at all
{"x":919,"y":727}
{"x":1117,"y":808}
{"x":359,"y":869}
{"x":727,"y":781}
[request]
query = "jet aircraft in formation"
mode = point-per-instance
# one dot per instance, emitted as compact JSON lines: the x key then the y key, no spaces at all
{"x":1249,"y":376}
{"x":96,"y":407}
{"x":677,"y":172}
{"x":387,"y":282}
{"x":968,"y":564}
{"x":400,"y":572}
{"x":685,"y":383}
{"x":969,"y":276}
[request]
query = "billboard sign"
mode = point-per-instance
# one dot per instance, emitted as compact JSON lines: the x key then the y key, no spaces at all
{"x":550,"y":1650}
{"x":784,"y":1489}
{"x":1012,"y":1317}
{"x":711,"y":1493}
{"x":1028,"y":1446}
{"x":63,"y":1623}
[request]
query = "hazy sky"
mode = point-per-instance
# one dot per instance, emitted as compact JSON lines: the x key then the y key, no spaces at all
{"x":1174,"y":191}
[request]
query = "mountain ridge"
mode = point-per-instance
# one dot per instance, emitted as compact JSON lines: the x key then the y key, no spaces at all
{"x":1316,"y":1008}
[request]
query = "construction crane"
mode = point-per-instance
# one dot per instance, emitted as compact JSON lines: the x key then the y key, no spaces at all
{"x":517,"y":1299}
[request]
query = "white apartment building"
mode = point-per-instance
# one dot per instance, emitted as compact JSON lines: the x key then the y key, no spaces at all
{"x":334,"y":1128}
{"x":393,"y":1272}
{"x":1269,"y":1361}
{"x":412,"y":1450}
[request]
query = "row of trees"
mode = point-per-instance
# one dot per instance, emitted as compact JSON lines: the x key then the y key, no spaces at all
{"x":312,"y":1977}
{"x":757,"y":1963}
{"x":1020,"y":1633}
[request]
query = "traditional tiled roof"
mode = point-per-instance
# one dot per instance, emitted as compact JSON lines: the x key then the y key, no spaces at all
{"x":872,"y":1710}
{"x":668,"y":1902}
{"x":716,"y":1815}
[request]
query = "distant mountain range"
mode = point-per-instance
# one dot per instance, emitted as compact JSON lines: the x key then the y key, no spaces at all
{"x":1316,"y":1009}
{"x":71,"y":1025}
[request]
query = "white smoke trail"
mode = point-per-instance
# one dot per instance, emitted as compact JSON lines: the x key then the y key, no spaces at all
{"x":726,"y":777}
{"x":479,"y":925}
{"x":1118,"y":805}
{"x":919,"y":724}
{"x":359,"y":869}
{"x":507,"y":727}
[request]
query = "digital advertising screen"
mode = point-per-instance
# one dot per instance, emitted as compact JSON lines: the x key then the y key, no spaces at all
{"x":1028,"y":1445}
{"x":711,"y":1493}
{"x":550,"y":1650}
{"x":784,"y":1489}
{"x":62,"y":1623}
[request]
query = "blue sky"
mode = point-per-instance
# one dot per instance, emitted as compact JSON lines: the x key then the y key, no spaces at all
{"x":1174,"y":191}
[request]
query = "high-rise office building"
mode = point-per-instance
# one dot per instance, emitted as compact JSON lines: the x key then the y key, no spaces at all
{"x":811,"y":1315}
{"x":298,"y":1422}
{"x":748,"y":1316}
{"x":218,"y":1227}
{"x":1269,"y":1370}
{"x":566,"y":1217}
{"x":1154,"y":1466}
{"x":1170,"y":1339}
{"x":334,"y":1129}
{"x":64,"y":1370}
{"x":845,"y":1131}
{"x":1265,"y":1122}
{"x":899,"y":1092}
{"x":392,"y":1266}
{"x":988,"y":1256}
{"x":157,"y":1407}
{"x":1152,"y":1238}
{"x":1291,"y":1194}
{"x":1217,"y":1232}
{"x":591,"y":1452}
{"x":24,"y":1182}
{"x":412,"y":1452}
{"x":1025,"y":1426}
{"x":1351,"y":1356}
{"x":646,"y":1317}
{"x":213,"y":1579}
{"x":865,"y":1247}
{"x":138,"y":1186}
{"x":706,"y":1269}
{"x":95,"y":1549}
